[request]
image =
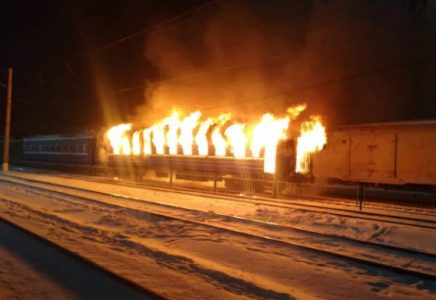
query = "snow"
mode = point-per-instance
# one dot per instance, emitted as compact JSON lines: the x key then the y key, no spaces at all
{"x":30,"y":269}
{"x":188,"y":261}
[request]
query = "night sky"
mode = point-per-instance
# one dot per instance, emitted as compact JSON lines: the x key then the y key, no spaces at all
{"x":87,"y":64}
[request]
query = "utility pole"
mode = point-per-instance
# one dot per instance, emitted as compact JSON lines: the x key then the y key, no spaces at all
{"x":8,"y":123}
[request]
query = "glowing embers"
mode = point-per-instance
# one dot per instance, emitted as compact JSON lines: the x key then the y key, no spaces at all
{"x":187,"y":134}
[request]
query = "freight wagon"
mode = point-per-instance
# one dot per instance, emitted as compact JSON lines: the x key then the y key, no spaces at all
{"x":402,"y":153}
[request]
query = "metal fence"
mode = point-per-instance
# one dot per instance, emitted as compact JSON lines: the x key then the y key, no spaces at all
{"x":250,"y":185}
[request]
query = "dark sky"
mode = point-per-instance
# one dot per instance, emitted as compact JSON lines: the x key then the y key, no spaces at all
{"x":50,"y":43}
{"x":351,"y":61}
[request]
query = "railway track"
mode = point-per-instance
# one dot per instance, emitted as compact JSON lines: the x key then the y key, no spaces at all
{"x":80,"y":277}
{"x":425,"y":219}
{"x":404,"y":261}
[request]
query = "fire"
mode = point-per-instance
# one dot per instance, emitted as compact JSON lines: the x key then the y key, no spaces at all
{"x":226,"y":137}
{"x":237,"y":139}
{"x":158,"y":139}
{"x":118,"y":138}
{"x":266,"y":135}
{"x":173,"y":125}
{"x":147,"y":141}
{"x":312,"y":139}
{"x":136,"y":147}
{"x":186,"y":138}
{"x":201,"y":138}
{"x":218,"y":140}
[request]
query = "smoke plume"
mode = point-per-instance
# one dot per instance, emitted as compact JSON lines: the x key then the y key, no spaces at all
{"x":351,"y":61}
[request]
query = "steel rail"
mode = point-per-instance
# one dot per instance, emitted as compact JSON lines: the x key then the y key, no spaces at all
{"x":341,"y":212}
{"x":400,"y":270}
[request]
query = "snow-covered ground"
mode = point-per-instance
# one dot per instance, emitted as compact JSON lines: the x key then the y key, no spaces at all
{"x":31,"y":269}
{"x":422,"y":239}
{"x":185,"y":261}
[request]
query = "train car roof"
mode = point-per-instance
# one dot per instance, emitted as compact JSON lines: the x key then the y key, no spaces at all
{"x":60,"y":137}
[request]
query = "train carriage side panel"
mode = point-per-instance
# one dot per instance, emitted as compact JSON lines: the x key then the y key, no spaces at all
{"x":333,"y":161}
{"x":66,"y":149}
{"x":386,"y":153}
{"x":417,"y":156}
{"x":372,"y":157}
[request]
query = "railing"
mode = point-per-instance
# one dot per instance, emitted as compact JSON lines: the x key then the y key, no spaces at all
{"x":248,"y":185}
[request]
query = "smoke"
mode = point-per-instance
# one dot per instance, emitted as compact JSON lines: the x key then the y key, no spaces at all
{"x":249,"y":57}
{"x":231,"y":59}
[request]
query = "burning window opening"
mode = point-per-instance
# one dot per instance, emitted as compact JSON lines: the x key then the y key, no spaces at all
{"x":221,"y":136}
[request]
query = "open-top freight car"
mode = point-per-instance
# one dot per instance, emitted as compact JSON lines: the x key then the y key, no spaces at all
{"x":387,"y":154}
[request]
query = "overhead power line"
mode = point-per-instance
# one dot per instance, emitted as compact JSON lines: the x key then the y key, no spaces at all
{"x":148,"y":30}
{"x":300,"y":89}
{"x":326,"y":83}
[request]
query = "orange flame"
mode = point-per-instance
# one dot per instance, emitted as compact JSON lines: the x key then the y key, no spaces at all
{"x":173,"y":125}
{"x":226,"y":137}
{"x":136,"y":147}
{"x":186,"y":138}
{"x":147,"y":141}
{"x":312,"y":139}
{"x":118,"y":138}
{"x":237,"y":140}
{"x":158,"y":138}
{"x":266,"y":135}
{"x":201,"y":138}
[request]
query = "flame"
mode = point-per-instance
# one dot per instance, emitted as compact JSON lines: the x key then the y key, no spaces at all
{"x":147,"y":141}
{"x":186,"y":138}
{"x":237,"y":140}
{"x":173,"y":125}
{"x":295,"y":111}
{"x":266,"y":135}
{"x":201,"y":138}
{"x":158,"y":138}
{"x":118,"y":138}
{"x":225,"y":135}
{"x":312,"y":139}
{"x":136,"y":147}
{"x":219,"y":142}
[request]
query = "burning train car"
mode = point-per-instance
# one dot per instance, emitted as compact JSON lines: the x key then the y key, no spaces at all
{"x":186,"y":144}
{"x":388,"y":155}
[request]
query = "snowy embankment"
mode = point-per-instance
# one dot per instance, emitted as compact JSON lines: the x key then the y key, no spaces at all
{"x":184,"y":261}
